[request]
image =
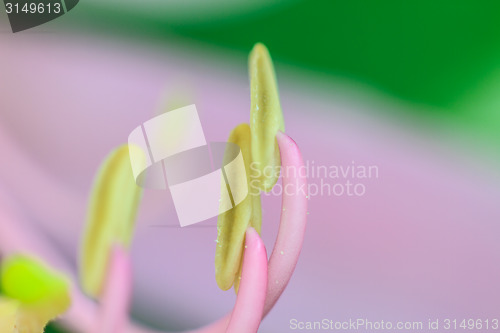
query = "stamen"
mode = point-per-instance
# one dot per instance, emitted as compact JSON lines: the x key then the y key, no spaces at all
{"x":266,"y":118}
{"x":113,"y":207}
{"x":292,"y":224}
{"x":115,"y":300}
{"x":233,"y":224}
{"x":247,"y":312}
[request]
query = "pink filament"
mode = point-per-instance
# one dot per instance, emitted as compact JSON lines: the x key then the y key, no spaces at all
{"x":293,"y":221}
{"x":115,"y":301}
{"x":247,"y":312}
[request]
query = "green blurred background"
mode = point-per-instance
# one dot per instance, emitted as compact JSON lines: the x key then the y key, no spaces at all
{"x":430,"y":52}
{"x":442,"y":58}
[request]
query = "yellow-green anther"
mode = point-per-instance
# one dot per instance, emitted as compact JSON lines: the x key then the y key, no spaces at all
{"x":232,"y":225}
{"x":266,"y":118}
{"x":33,"y":295}
{"x":111,"y":217}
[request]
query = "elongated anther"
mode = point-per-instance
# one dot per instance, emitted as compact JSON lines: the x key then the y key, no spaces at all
{"x":266,"y":118}
{"x":232,"y":225}
{"x":113,"y":207}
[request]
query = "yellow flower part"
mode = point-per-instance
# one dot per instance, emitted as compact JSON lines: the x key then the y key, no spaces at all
{"x":232,"y":225}
{"x":8,"y":315}
{"x":33,"y":295}
{"x":266,"y":118}
{"x":111,"y":217}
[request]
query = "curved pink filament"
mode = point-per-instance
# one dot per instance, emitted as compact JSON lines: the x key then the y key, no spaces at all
{"x":293,"y":221}
{"x":247,"y":312}
{"x":115,"y":301}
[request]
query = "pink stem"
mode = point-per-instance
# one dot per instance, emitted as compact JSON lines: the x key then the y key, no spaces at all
{"x":293,"y":221}
{"x":247,"y":312}
{"x":115,"y":301}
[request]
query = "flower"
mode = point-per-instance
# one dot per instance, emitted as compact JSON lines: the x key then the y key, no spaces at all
{"x":106,"y":268}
